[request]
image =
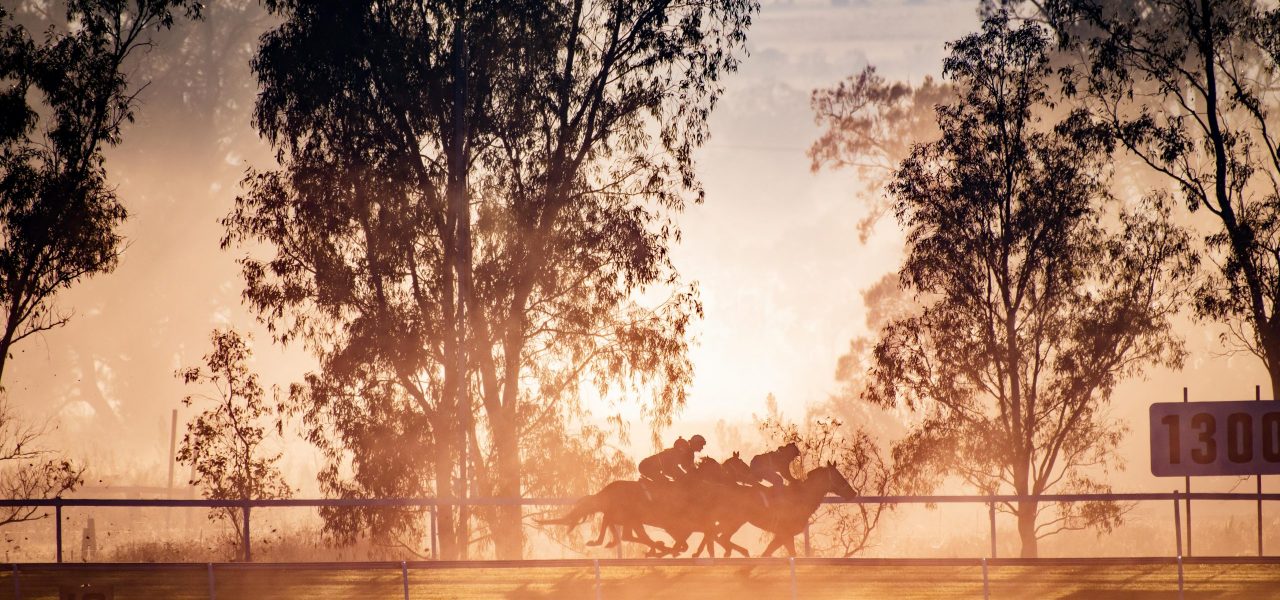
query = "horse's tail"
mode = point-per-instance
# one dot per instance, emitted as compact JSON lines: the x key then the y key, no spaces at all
{"x":587,"y":506}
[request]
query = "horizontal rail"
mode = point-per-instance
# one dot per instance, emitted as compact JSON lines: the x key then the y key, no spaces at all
{"x":648,"y":562}
{"x":428,"y":502}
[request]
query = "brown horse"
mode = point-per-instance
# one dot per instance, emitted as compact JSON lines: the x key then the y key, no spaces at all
{"x":784,"y":511}
{"x":738,"y":470}
{"x":680,"y":508}
{"x":705,"y":477}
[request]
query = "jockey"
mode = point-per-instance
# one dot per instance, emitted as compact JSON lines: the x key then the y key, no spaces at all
{"x":776,"y":465}
{"x":673,"y":463}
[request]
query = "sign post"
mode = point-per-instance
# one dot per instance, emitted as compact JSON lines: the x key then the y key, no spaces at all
{"x":1186,"y":479}
{"x":1257,"y":397}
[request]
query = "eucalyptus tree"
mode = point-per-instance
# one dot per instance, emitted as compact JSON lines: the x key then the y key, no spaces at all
{"x":1038,"y":291}
{"x":1188,"y":87}
{"x":472,"y":195}
{"x":64,"y":97}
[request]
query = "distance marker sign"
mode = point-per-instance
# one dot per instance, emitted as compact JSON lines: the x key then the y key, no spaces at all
{"x":1215,"y":438}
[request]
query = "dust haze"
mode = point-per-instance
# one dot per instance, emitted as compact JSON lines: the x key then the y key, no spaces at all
{"x":783,"y":278}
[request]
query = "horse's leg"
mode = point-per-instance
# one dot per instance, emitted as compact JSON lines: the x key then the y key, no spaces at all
{"x":604,"y":526}
{"x":707,"y":544}
{"x":724,"y":536}
{"x":726,"y":542}
{"x":636,"y":533}
{"x":681,"y":540}
{"x":791,"y":545}
{"x":660,"y":549}
{"x":608,"y":523}
{"x":774,"y":544}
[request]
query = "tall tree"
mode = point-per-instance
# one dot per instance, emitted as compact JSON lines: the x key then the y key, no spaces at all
{"x":226,"y":443}
{"x":1188,"y":88}
{"x":58,"y":214}
{"x":472,"y":195}
{"x":1038,"y":292}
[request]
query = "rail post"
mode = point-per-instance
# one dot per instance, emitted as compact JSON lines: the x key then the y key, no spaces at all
{"x":807,"y":550}
{"x":404,"y":577}
{"x":991,"y":516}
{"x":245,"y":515}
{"x":795,"y":592}
{"x":17,"y":588}
{"x":1177,"y":527}
{"x":213,"y":589}
{"x":434,"y":555}
{"x":596,"y":564}
{"x":57,"y":516}
{"x":986,"y":585}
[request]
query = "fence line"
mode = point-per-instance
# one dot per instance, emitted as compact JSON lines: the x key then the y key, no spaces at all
{"x":991,"y":500}
{"x":548,"y":501}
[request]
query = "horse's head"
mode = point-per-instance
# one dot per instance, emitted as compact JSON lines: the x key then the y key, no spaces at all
{"x":833,"y":481}
{"x":738,"y":469}
{"x":710,"y":470}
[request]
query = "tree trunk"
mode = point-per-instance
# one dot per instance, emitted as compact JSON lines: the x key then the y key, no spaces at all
{"x":1271,"y":348}
{"x":1027,"y":528}
{"x":446,"y":530}
{"x":6,"y":343}
{"x":509,"y":532}
{"x":459,"y":219}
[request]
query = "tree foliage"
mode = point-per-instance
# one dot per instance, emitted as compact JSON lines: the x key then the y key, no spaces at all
{"x":472,"y":196}
{"x":28,"y":470}
{"x":1188,"y":88}
{"x":1038,"y":291}
{"x":58,"y":214}
{"x":869,"y":125}
{"x":226,"y":443}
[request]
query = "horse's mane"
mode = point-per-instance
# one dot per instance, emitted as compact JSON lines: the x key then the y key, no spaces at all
{"x":829,"y":465}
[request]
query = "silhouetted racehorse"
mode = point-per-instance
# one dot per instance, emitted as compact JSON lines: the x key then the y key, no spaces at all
{"x":710,"y":503}
{"x":737,"y":469}
{"x":679,"y":507}
{"x":782,"y":511}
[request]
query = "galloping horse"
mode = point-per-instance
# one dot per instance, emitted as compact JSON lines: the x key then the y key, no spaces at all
{"x":679,"y":507}
{"x":737,"y":469}
{"x":783,"y":511}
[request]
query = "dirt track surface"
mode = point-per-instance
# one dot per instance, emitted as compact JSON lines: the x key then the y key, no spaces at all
{"x":746,"y":582}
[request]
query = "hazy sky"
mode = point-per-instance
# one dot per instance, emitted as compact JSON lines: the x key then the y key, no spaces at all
{"x":774,"y":248}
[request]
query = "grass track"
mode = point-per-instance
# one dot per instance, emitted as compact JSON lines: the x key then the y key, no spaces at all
{"x":756,"y":582}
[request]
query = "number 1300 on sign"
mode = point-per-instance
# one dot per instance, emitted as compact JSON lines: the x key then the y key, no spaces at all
{"x":1215,"y":438}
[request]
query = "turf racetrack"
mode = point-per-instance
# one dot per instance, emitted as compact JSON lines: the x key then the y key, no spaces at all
{"x":666,"y":580}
